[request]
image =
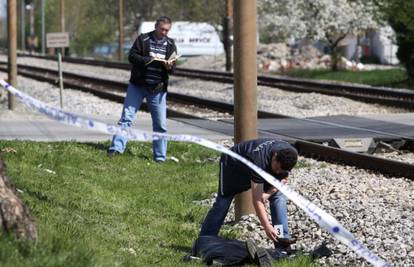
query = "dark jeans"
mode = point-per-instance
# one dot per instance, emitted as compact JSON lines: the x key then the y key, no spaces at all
{"x":215,"y":217}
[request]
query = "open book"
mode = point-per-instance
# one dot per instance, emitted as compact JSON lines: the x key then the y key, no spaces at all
{"x":172,"y":58}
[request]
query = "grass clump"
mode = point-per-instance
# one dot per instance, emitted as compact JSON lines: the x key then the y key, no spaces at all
{"x":396,"y":78}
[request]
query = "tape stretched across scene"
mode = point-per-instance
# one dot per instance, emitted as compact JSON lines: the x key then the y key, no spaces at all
{"x":325,"y":220}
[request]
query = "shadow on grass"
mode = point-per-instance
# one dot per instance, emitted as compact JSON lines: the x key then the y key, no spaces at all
{"x":98,"y":146}
{"x":128,"y":152}
{"x":179,"y":248}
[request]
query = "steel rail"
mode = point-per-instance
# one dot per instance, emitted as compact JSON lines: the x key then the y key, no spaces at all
{"x":104,"y":88}
{"x":402,"y":98}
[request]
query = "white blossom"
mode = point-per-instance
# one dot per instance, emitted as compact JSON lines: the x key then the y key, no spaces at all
{"x":329,"y":20}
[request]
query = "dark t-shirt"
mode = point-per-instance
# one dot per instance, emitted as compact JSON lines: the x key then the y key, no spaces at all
{"x":236,"y":177}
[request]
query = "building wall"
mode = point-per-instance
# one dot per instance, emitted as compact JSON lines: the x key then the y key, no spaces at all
{"x":383,"y":47}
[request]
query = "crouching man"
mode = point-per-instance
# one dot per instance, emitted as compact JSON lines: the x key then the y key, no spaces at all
{"x":275,"y":157}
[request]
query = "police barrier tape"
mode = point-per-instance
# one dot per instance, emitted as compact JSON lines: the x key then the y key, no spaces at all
{"x":325,"y":220}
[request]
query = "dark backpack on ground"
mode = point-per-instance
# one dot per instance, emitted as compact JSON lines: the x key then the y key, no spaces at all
{"x":228,"y":252}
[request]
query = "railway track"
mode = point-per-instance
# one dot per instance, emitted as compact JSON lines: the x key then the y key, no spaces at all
{"x":114,"y":91}
{"x":402,"y":98}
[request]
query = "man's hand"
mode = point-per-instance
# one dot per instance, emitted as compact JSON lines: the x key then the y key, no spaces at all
{"x":169,"y":64}
{"x":270,"y":232}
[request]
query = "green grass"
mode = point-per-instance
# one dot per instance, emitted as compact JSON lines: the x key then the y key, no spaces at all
{"x":95,"y":211}
{"x":389,"y":78}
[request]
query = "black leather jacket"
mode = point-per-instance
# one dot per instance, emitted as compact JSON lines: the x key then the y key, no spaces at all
{"x":139,"y":58}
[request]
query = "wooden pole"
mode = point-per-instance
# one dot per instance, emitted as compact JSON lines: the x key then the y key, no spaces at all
{"x":23,"y":26}
{"x":60,"y":79}
{"x":245,"y":82}
{"x":121,"y":29}
{"x":43,"y":28}
{"x":12,"y":45}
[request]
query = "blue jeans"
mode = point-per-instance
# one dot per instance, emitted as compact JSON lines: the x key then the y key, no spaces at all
{"x":215,"y":217}
{"x":157,"y":106}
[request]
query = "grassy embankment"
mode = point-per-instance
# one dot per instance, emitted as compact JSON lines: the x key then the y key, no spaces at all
{"x":396,"y":78}
{"x":125,"y":211}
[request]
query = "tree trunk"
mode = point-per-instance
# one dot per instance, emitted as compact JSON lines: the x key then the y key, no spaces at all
{"x":335,"y":52}
{"x":335,"y":58}
{"x":14,"y":215}
{"x":227,"y":30}
{"x":226,"y":42}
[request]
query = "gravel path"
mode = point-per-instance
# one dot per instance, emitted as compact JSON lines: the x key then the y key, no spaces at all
{"x":269,"y":99}
{"x":378,"y":210}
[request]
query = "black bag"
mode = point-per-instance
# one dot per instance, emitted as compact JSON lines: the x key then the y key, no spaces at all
{"x":228,"y":252}
{"x":222,"y":251}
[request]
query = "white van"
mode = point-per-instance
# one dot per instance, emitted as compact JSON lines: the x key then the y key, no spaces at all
{"x":191,"y":38}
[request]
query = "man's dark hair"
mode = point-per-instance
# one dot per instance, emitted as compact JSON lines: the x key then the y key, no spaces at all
{"x":164,"y":19}
{"x":287,"y":158}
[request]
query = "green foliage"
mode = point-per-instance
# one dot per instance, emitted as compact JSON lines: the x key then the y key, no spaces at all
{"x":93,"y":22}
{"x":89,"y":22}
{"x":194,"y":10}
{"x":370,"y":60}
{"x":92,"y":210}
{"x":400,"y":16}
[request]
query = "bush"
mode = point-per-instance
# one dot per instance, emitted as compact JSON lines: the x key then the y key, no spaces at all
{"x":399,"y":14}
{"x":370,"y":60}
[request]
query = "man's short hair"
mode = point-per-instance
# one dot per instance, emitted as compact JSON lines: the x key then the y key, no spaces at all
{"x":287,"y":158}
{"x":164,"y":19}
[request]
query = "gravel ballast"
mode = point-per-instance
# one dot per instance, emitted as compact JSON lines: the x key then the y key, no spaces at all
{"x":269,"y":99}
{"x":379,"y":211}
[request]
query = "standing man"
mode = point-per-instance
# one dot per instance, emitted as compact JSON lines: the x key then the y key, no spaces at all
{"x":275,"y":157}
{"x":149,"y":56}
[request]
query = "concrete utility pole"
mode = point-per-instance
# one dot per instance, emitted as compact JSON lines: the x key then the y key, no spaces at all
{"x":121,"y":29}
{"x":12,"y":44}
{"x":245,"y":82}
{"x":62,"y":21}
{"x":22,"y":26}
{"x":227,"y":32}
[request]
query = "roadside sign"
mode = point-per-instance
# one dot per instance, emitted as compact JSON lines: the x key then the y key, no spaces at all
{"x":57,"y":39}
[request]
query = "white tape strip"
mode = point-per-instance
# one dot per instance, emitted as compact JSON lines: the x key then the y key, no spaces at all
{"x":325,"y":220}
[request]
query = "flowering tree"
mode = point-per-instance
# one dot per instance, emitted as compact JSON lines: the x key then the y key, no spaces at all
{"x":326,"y":20}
